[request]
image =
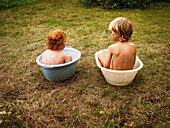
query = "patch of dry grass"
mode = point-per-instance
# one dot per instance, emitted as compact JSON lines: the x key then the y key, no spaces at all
{"x":86,"y":99}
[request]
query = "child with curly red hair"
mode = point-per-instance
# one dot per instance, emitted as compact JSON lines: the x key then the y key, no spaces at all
{"x":55,"y":43}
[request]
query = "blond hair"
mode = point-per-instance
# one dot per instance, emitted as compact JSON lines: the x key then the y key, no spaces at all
{"x":55,"y":39}
{"x":122,"y":27}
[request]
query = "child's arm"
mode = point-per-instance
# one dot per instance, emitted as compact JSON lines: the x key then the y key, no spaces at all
{"x":105,"y":60}
{"x":68,"y":58}
{"x":134,"y":51}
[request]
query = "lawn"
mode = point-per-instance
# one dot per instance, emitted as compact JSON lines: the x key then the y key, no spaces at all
{"x":27,"y":99}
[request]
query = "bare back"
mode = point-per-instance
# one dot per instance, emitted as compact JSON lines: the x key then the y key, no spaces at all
{"x":55,"y":57}
{"x":123,"y":56}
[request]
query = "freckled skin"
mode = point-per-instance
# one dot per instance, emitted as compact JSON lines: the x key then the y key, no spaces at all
{"x":121,"y":55}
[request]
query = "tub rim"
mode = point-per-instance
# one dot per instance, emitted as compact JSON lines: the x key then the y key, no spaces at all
{"x":59,"y":65}
{"x":117,"y":71}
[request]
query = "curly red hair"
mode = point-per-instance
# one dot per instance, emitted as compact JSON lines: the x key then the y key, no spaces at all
{"x":55,"y":39}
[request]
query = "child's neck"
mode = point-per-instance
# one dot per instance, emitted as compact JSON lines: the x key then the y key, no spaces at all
{"x":55,"y":50}
{"x":123,"y":42}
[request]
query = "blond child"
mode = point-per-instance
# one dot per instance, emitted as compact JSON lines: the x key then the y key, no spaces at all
{"x":121,"y":55}
{"x":55,"y":43}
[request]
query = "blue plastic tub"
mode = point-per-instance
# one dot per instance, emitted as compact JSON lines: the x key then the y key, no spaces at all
{"x":61,"y":72}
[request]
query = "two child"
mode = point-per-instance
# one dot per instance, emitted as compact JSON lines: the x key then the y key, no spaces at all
{"x":121,"y":55}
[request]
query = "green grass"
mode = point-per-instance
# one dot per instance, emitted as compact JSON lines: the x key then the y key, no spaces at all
{"x":12,"y":3}
{"x":78,"y":101}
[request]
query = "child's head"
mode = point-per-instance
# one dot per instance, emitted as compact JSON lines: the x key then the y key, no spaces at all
{"x":56,"y":40}
{"x":122,"y":28}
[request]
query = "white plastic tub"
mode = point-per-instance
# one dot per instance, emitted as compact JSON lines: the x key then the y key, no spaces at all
{"x":116,"y":77}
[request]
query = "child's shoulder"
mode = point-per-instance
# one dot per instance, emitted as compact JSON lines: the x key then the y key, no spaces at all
{"x":113,"y":48}
{"x":113,"y":45}
{"x":132,"y":44}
